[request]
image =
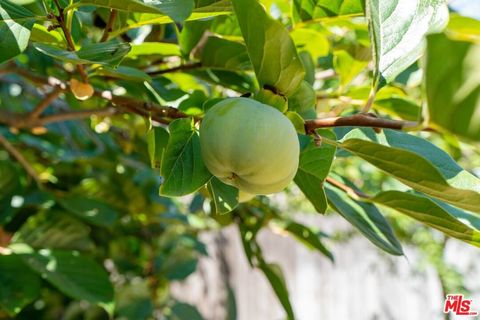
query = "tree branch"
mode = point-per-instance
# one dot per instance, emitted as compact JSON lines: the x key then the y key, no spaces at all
{"x":74,"y":115}
{"x":68,"y":36}
{"x":348,"y":190}
{"x":182,"y":67}
{"x":358,"y":120}
{"x":109,"y":26}
{"x":19,"y":157}
{"x":45,"y":103}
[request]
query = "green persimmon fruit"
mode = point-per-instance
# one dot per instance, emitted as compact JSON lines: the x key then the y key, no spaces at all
{"x":249,"y":145}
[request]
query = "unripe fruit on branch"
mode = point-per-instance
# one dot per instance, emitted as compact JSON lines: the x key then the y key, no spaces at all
{"x":249,"y":145}
{"x":81,"y":91}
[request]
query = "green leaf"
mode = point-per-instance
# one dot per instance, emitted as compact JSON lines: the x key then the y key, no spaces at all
{"x":413,"y":170}
{"x":312,"y":41}
{"x":157,"y":140}
{"x":366,"y":218}
{"x":307,"y":10}
{"x":16,"y":24}
{"x":441,"y":217}
{"x":41,"y":34}
{"x":183,"y":169}
{"x":153,"y":48}
{"x":178,"y":10}
{"x":75,"y":275}
{"x":224,"y":196}
{"x":297,"y":121}
{"x":20,"y":286}
{"x":453,"y":86}
{"x":303,"y":99}
{"x":191,"y":34}
{"x":224,"y":54}
{"x":90,"y":210}
{"x":123,"y":5}
{"x":126,"y":73}
{"x":271,"y":50}
{"x":183,"y":311}
{"x":277,"y":281}
{"x":54,"y":230}
{"x":106,"y":53}
{"x":463,"y":28}
{"x":306,"y":236}
{"x":314,"y":166}
{"x":346,"y":66}
{"x":398,"y":29}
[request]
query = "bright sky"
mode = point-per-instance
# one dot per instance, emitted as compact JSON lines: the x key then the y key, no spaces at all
{"x":469,"y":8}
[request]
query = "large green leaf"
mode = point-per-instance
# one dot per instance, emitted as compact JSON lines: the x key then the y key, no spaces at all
{"x":305,"y":235}
{"x":16,"y":24}
{"x":418,"y":164}
{"x":398,"y":29}
{"x":183,"y":311}
{"x":105,"y":53}
{"x":271,"y":50}
{"x":75,"y":275}
{"x":414,"y":171}
{"x":90,"y":210}
{"x":307,"y":10}
{"x":157,"y":140}
{"x":366,"y":218}
{"x":453,"y":85}
{"x":445,"y":218}
{"x":315,"y":163}
{"x":450,"y":170}
{"x":20,"y":286}
{"x":183,"y":169}
{"x":54,"y":230}
{"x":123,"y":5}
{"x":153,"y":48}
{"x":275,"y":276}
{"x":224,"y":54}
{"x":224,"y":196}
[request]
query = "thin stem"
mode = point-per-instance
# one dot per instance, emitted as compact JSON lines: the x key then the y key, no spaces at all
{"x":355,"y":194}
{"x":68,"y":36}
{"x":183,"y":67}
{"x":43,"y":105}
{"x":76,"y":115}
{"x":109,"y":26}
{"x":358,"y":120}
{"x":20,"y":158}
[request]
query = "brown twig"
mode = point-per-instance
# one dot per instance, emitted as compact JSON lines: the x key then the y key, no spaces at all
{"x":183,"y":67}
{"x":109,"y":26}
{"x":19,"y":157}
{"x":348,"y":190}
{"x":42,"y":105}
{"x":358,"y":120}
{"x":74,"y":115}
{"x":68,"y":36}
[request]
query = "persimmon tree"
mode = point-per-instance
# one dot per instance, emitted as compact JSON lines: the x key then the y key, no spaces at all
{"x":108,"y":171}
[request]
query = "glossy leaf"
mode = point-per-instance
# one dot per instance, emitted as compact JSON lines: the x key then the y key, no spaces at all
{"x":307,"y":10}
{"x":54,"y":230}
{"x":107,"y":53}
{"x":398,"y":29}
{"x":271,"y":50}
{"x":153,"y":48}
{"x":20,"y":286}
{"x":224,"y":196}
{"x":157,"y":140}
{"x":126,"y":73}
{"x":444,"y":218}
{"x":314,"y":166}
{"x":123,"y":5}
{"x":413,"y":170}
{"x":453,"y":86}
{"x":366,"y":218}
{"x":224,"y":54}
{"x":307,"y":236}
{"x":75,"y":275}
{"x":89,"y":209}
{"x":16,"y":24}
{"x":277,"y":281}
{"x":183,"y":169}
